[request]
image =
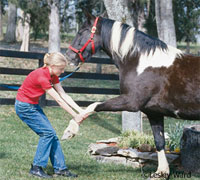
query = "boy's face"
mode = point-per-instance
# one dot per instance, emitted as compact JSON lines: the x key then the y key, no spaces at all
{"x":58,"y":70}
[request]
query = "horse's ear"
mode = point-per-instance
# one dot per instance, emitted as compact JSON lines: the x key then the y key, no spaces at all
{"x":104,"y":14}
{"x":90,"y":17}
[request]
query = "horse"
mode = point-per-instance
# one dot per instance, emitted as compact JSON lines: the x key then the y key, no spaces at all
{"x":155,"y":78}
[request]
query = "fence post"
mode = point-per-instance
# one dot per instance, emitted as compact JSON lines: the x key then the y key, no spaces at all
{"x":131,"y":121}
{"x":42,"y":100}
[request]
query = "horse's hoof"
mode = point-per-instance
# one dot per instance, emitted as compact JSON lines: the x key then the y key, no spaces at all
{"x":67,"y":135}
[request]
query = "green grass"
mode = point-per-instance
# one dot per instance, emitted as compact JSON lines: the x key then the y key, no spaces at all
{"x":18,"y":144}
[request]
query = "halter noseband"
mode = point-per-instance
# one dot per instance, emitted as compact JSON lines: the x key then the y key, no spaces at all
{"x":79,"y":52}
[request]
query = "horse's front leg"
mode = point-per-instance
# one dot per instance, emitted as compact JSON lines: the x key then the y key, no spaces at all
{"x":121,"y":103}
{"x":157,"y":125}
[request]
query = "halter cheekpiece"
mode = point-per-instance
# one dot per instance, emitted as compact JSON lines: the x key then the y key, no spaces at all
{"x":79,"y":52}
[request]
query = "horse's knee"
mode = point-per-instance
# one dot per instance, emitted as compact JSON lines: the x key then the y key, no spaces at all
{"x":160,"y":144}
{"x":159,"y":140}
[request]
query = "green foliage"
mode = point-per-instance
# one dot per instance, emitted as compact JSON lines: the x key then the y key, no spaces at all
{"x":150,"y":23}
{"x":186,"y":18}
{"x":175,"y":132}
{"x":39,"y":12}
{"x":3,"y":3}
{"x":93,"y":7}
{"x":135,"y":139}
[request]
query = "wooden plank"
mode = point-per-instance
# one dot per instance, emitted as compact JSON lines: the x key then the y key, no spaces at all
{"x":80,"y":103}
{"x":36,"y":55}
{"x":21,"y":54}
{"x":11,"y":101}
{"x":89,"y":90}
{"x":15,"y":71}
{"x":99,"y":76}
{"x":79,"y":75}
{"x":7,"y":101}
{"x":79,"y":90}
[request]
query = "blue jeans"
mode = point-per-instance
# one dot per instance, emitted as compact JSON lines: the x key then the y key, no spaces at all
{"x":48,"y":145}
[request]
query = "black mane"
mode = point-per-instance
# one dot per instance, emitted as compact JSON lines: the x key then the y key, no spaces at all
{"x":142,"y":43}
{"x":106,"y":26}
{"x":146,"y":43}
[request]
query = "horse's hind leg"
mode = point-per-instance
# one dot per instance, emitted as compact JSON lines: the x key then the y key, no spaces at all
{"x":120,"y":103}
{"x":157,"y":125}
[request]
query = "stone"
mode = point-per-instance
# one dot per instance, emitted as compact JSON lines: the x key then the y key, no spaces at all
{"x":133,"y":153}
{"x":145,"y":148}
{"x":154,"y":156}
{"x":131,"y":157}
{"x":107,"y":151}
{"x":113,"y":159}
{"x":133,"y":163}
{"x":94,"y":147}
{"x":111,"y":140}
{"x":190,"y":149}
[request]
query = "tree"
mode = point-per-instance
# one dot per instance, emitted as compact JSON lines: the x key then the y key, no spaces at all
{"x":186,"y":15}
{"x":38,"y":11}
{"x":2,"y":3}
{"x":26,"y":33}
{"x":54,"y":26}
{"x":150,"y":24}
{"x":20,"y":25}
{"x":130,"y":120}
{"x":165,"y":21}
{"x":140,"y":12}
{"x":11,"y":26}
{"x":122,"y":14}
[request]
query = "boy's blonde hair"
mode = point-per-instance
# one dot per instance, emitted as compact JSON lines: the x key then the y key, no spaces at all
{"x":55,"y":58}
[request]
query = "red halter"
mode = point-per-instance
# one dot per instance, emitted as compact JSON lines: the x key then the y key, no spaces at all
{"x":79,"y":52}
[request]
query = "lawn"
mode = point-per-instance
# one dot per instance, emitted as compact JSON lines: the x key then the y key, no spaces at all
{"x":18,"y":144}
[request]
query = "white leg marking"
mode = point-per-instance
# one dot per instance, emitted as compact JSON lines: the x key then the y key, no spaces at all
{"x":163,"y":166}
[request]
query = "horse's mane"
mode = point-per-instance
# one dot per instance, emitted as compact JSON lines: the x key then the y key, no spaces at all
{"x":123,"y":39}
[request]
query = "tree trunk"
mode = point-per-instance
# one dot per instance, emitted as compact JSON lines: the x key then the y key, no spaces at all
{"x":26,"y":33}
{"x":188,"y":47}
{"x":11,"y":26}
{"x":1,"y":25}
{"x":20,"y":27}
{"x":54,"y":27}
{"x":190,"y":149}
{"x":119,"y":11}
{"x":130,"y":120}
{"x":165,"y":22}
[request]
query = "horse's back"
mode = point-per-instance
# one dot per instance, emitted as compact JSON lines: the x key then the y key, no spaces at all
{"x":179,"y":93}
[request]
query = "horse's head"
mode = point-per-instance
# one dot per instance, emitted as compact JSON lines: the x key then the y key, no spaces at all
{"x":86,"y":42}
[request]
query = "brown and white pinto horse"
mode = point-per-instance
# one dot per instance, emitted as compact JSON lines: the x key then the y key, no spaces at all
{"x":155,"y":78}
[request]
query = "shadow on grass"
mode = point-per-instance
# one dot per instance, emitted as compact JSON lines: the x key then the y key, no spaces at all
{"x":92,"y":169}
{"x":2,"y":155}
{"x":104,"y":123}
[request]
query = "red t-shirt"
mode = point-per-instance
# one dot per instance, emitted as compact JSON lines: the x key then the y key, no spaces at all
{"x":35,"y":85}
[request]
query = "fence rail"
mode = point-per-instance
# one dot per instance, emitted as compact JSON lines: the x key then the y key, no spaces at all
{"x":80,"y":75}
